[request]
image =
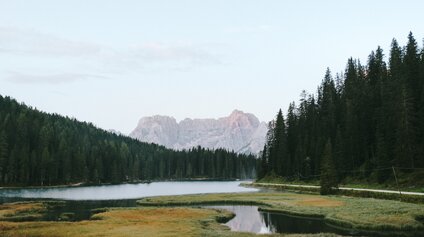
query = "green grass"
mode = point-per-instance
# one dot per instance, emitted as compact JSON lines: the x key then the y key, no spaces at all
{"x":280,"y":180}
{"x":353,"y":193}
{"x":349,"y":212}
{"x":408,"y":182}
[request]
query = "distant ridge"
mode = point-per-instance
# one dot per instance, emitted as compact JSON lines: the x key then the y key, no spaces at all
{"x":240,"y":132}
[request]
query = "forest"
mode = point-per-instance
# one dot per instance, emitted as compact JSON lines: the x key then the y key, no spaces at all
{"x":363,"y":123}
{"x":38,"y":149}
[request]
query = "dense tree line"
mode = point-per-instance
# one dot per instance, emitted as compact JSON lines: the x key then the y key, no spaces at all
{"x":37,"y":148}
{"x":370,"y":117}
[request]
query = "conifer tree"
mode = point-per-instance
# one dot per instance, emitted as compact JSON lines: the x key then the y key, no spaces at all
{"x":392,"y":97}
{"x":328,"y":179}
{"x":327,"y":105}
{"x":263,"y":168}
{"x":279,"y":151}
{"x":269,"y":147}
{"x":412,"y":68}
{"x":292,"y":139}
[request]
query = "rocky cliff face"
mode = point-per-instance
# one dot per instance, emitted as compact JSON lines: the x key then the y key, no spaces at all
{"x":241,"y":132}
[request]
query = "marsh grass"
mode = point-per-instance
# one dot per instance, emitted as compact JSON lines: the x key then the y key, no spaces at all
{"x":146,"y":221}
{"x":22,"y":211}
{"x":348,"y":212}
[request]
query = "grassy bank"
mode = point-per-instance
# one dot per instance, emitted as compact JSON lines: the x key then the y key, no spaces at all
{"x":308,"y":188}
{"x":407,"y":182}
{"x":146,"y":221}
{"x":348,"y":212}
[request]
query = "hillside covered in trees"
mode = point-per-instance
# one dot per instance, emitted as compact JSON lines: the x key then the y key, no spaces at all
{"x":361,"y":123}
{"x":37,"y":148}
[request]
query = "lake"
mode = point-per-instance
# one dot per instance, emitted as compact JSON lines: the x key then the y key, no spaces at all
{"x":126,"y":191}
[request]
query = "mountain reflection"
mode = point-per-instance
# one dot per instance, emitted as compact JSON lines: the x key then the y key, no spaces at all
{"x":247,"y":219}
{"x":250,"y":219}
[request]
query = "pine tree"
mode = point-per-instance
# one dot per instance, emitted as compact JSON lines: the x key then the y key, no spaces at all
{"x":279,"y":152}
{"x":351,"y":108}
{"x":292,"y":141}
{"x":420,"y":161}
{"x":327,"y":105}
{"x":412,"y":68}
{"x":269,"y":147}
{"x":391,"y":100}
{"x":263,"y":168}
{"x":328,"y":179}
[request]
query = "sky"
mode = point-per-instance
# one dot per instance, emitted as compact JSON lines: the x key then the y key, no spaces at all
{"x":113,"y":62}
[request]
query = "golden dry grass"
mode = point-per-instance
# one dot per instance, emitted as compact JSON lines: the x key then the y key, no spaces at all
{"x":16,"y":210}
{"x":16,"y":207}
{"x":320,"y":202}
{"x":136,"y":222}
{"x":130,"y":222}
{"x":157,"y":222}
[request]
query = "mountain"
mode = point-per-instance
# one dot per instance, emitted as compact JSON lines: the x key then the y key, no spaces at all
{"x":240,"y":132}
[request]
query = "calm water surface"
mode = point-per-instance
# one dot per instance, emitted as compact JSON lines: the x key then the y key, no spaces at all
{"x":127,"y":191}
{"x":250,"y":219}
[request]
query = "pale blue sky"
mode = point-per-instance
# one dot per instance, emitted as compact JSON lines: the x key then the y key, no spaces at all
{"x":112,"y":62}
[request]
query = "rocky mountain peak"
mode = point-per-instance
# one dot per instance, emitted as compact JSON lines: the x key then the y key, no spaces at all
{"x":241,"y":132}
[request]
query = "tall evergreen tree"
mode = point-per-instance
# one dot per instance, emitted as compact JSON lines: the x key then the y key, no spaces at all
{"x":292,"y":140}
{"x":263,"y":168}
{"x":327,"y":105}
{"x":279,"y":151}
{"x":412,"y":68}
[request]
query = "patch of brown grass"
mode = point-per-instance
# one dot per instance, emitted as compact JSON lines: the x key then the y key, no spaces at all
{"x":10,"y":210}
{"x":393,"y":219}
{"x":7,"y":226}
{"x":320,"y":202}
{"x":19,"y":207}
{"x":121,"y":222}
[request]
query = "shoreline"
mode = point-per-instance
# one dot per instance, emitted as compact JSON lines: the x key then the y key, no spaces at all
{"x":351,"y":213}
{"x":83,"y":184}
{"x":344,"y":191}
